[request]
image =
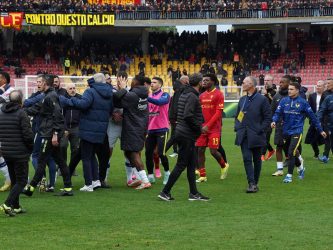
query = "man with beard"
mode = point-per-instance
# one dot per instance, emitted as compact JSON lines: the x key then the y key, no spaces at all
{"x":278,"y":137}
{"x":188,"y":129}
{"x":57,"y":88}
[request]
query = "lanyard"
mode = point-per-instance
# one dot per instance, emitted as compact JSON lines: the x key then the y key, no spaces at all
{"x":248,"y":100}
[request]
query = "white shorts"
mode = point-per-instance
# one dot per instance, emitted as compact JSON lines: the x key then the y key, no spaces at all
{"x":114,"y":133}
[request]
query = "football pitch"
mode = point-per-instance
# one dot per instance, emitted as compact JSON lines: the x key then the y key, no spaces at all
{"x":280,"y":216}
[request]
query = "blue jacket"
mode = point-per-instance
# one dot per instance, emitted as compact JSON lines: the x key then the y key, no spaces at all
{"x":96,"y":105}
{"x":31,"y":101}
{"x":293,"y":113}
{"x":256,"y":121}
{"x":326,"y":110}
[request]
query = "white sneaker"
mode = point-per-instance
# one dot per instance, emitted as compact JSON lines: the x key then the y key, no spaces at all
{"x":86,"y":188}
{"x":278,"y":173}
{"x":96,"y":184}
{"x":173,"y":155}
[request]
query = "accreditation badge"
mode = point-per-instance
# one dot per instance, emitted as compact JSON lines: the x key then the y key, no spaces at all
{"x":240,"y":116}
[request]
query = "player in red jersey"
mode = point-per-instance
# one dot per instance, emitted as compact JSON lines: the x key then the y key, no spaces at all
{"x":212,"y":104}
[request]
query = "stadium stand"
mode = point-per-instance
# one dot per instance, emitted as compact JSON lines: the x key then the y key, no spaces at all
{"x":166,"y":9}
{"x":238,"y":53}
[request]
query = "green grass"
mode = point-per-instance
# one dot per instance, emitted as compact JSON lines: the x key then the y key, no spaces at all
{"x":280,"y":216}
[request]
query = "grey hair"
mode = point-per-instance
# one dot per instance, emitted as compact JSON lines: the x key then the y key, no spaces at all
{"x":16,"y":96}
{"x":253,"y":80}
{"x":99,"y":77}
{"x":195,"y":79}
{"x":184,"y":79}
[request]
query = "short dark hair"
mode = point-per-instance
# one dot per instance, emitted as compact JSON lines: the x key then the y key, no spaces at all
{"x":147,"y":80}
{"x":296,"y":85}
{"x":16,"y":96}
{"x":212,"y":77}
{"x":122,"y":74}
{"x":288,"y":77}
{"x":195,"y":79}
{"x":5,"y":75}
{"x":49,"y":80}
{"x":158,"y":79}
{"x":140,"y":79}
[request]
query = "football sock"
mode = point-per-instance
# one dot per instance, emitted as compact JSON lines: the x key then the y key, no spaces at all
{"x":202,"y":172}
{"x":156,"y":161}
{"x":129,"y":171}
{"x":279,"y":165}
{"x":143,"y":176}
{"x":4,"y":169}
{"x":222,"y":163}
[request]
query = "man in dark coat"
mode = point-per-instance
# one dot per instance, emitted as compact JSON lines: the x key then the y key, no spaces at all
{"x":135,"y":123}
{"x":253,"y":118}
{"x":269,"y":92}
{"x":188,"y":129}
{"x":312,"y":136}
{"x":51,"y":130}
{"x":178,"y":88}
{"x":72,"y":119}
{"x":17,"y":140}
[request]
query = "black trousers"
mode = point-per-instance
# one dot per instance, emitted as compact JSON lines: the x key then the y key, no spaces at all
{"x":18,"y":172}
{"x":187,"y":158}
{"x":268,"y":143}
{"x":156,"y":139}
{"x":47,"y":150}
{"x":252,"y":162}
{"x":328,"y":144}
{"x":172,"y":142}
{"x":293,"y":142}
{"x":315,"y":149}
{"x":103,"y":156}
{"x":74,"y":140}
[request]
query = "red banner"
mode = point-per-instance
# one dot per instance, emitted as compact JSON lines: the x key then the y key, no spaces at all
{"x":12,"y":20}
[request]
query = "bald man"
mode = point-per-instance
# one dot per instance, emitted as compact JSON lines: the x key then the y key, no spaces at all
{"x":72,"y":118}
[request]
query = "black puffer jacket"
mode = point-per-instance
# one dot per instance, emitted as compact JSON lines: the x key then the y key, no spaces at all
{"x":135,"y":122}
{"x":51,"y":118}
{"x":71,"y":114}
{"x":189,"y":115}
{"x":16,"y":136}
{"x":178,"y":88}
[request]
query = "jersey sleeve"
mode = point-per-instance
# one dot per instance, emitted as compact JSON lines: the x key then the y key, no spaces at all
{"x":220,"y":100}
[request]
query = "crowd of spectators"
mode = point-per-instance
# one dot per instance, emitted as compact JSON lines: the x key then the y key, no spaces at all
{"x":245,"y":50}
{"x":70,"y":6}
{"x":255,"y":48}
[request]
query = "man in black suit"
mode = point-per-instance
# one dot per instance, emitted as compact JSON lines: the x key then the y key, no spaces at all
{"x":312,"y":136}
{"x":253,"y":118}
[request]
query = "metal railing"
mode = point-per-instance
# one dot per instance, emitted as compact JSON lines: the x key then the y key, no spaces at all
{"x":223,"y":14}
{"x":206,"y":14}
{"x":28,"y":86}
